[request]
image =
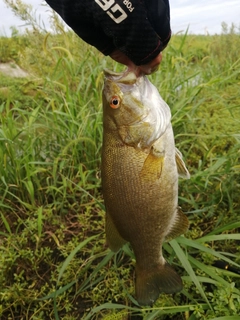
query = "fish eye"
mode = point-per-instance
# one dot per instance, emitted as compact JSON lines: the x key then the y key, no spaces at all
{"x":115,"y":102}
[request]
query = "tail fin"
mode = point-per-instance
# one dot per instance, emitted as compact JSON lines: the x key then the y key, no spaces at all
{"x":149,"y":284}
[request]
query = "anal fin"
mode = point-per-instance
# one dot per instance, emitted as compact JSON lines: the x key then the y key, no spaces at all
{"x":180,"y":225}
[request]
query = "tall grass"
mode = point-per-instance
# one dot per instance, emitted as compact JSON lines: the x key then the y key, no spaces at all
{"x":53,"y":256}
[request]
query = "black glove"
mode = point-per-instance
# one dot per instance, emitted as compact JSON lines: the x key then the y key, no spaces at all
{"x":138,"y":28}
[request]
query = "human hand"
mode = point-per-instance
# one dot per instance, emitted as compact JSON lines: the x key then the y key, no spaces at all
{"x":142,"y":30}
{"x":152,"y":66}
{"x":148,"y":68}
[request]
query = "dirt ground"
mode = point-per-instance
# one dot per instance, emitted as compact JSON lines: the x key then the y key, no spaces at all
{"x":12,"y":70}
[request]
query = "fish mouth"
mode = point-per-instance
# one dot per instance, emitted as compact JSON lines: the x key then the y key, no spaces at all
{"x":126,"y":76}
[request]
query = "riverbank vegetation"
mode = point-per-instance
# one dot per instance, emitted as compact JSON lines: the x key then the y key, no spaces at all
{"x":53,"y":257}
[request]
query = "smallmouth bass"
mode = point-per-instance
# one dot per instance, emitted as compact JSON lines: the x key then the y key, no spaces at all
{"x":140,"y":170}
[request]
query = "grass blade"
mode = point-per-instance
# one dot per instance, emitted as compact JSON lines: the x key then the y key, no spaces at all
{"x":72,"y":254}
{"x":187,"y":266}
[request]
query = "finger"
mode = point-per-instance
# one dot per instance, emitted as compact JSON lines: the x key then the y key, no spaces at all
{"x":152,"y":66}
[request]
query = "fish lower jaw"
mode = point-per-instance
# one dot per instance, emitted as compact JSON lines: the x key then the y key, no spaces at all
{"x":139,"y":146}
{"x":143,"y":148}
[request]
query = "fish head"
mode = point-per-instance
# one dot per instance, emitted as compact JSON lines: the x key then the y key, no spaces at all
{"x":133,"y":106}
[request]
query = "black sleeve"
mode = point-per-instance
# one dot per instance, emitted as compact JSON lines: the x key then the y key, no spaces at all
{"x":138,"y":28}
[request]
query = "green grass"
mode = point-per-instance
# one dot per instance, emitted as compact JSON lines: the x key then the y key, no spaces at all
{"x":54,"y":262}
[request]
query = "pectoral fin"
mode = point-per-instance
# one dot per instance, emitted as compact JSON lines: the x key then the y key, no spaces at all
{"x":114,"y":240}
{"x":152,"y":167}
{"x":181,"y":167}
{"x":179,"y":226}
